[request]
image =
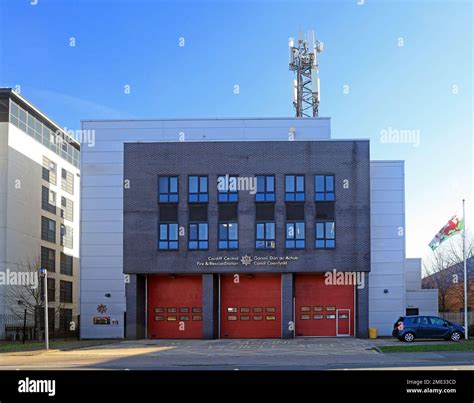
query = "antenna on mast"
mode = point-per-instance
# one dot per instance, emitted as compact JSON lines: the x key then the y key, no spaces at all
{"x":303,"y":61}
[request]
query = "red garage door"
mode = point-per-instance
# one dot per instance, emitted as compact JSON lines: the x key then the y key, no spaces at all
{"x":175,"y":307}
{"x":250,"y":306}
{"x":323,"y":310}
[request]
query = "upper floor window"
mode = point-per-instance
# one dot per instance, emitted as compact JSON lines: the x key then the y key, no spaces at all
{"x":227,"y":188}
{"x":48,"y":200}
{"x":49,"y":171}
{"x":168,"y":236}
{"x":265,"y":235}
{"x":65,"y":291}
{"x":325,"y":235}
{"x":265,"y":188}
{"x":48,"y":230}
{"x":324,"y":188}
{"x":51,"y":290}
{"x":228,"y":235}
{"x":168,"y":189}
{"x":67,"y":209}
{"x":198,"y":236}
{"x":67,"y":236}
{"x":295,"y":235}
{"x":294,"y":188}
{"x":67,"y":181}
{"x":48,"y":259}
{"x":198,"y":189}
{"x":66,"y":264}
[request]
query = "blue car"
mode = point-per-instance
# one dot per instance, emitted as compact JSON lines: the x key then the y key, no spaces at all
{"x":409,"y":328}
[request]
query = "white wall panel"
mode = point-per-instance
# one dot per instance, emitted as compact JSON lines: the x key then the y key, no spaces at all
{"x":103,"y":227}
{"x":395,"y":244}
{"x":386,"y":208}
{"x":387,"y":246}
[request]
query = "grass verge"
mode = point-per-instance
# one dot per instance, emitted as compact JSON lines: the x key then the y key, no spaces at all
{"x":413,"y":348}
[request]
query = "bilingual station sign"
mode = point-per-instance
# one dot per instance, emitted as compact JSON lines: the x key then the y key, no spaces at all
{"x":247,"y":261}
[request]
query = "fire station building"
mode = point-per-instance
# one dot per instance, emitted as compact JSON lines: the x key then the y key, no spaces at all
{"x":249,"y":228}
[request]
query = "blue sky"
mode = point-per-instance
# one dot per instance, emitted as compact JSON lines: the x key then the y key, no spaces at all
{"x":424,"y":85}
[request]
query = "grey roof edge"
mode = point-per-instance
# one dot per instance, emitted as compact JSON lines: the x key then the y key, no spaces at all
{"x":202,"y":119}
{"x":14,"y":94}
{"x":239,"y":141}
{"x":398,"y":161}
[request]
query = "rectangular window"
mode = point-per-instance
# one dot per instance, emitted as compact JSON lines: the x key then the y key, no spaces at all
{"x":49,"y":171}
{"x":67,"y":209}
{"x":51,"y":289}
{"x":168,"y":236}
{"x":67,"y":236}
{"x":324,"y":188}
{"x":48,"y":200}
{"x":168,"y":189}
{"x":294,"y":211}
{"x":48,"y":259}
{"x":265,"y":188}
{"x":227,"y":189}
{"x":65,"y":318}
{"x":265,"y":212}
{"x":51,"y":317}
{"x":324,"y":211}
{"x":265,"y":235}
{"x":66,"y":264}
{"x":48,"y":230}
{"x":197,"y":189}
{"x":198,"y":236}
{"x":325,"y":237}
{"x":65,"y":291}
{"x":228,"y":235}
{"x":168,"y":213}
{"x":295,"y":235}
{"x":67,"y":181}
{"x":294,"y":188}
{"x":227,"y":212}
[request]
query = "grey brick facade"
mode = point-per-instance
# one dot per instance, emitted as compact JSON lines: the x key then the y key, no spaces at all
{"x":144,"y":162}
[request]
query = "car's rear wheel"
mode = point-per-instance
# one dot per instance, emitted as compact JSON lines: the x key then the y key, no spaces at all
{"x":455,"y":336}
{"x":408,"y":337}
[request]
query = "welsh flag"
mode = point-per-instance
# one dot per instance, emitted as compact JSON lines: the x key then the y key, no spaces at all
{"x":454,"y":226}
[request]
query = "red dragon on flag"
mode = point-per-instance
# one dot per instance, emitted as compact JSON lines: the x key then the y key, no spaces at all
{"x":454,"y":226}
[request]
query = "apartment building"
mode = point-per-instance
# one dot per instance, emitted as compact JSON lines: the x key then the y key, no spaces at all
{"x":39,"y":206}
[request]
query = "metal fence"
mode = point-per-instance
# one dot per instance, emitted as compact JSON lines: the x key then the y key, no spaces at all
{"x":19,"y":328}
{"x":458,"y":317}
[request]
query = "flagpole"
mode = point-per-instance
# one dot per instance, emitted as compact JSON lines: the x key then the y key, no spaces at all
{"x":466,"y":280}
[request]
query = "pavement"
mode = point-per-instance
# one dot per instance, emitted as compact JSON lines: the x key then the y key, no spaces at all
{"x":244,"y":354}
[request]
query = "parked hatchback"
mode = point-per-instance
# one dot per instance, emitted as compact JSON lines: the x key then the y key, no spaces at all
{"x":409,"y":328}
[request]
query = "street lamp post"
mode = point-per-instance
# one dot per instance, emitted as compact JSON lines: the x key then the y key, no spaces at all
{"x":44,"y":273}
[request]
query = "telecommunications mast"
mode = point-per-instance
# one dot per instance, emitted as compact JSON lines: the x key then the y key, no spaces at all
{"x":303,"y":61}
